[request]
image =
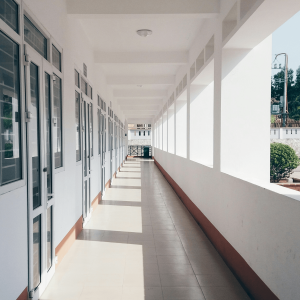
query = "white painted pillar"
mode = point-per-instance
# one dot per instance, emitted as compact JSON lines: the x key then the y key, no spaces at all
{"x":175,"y":123}
{"x":217,"y":96}
{"x":188,"y":125}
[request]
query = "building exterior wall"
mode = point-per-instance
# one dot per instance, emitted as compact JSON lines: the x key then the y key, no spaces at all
{"x":135,"y":134}
{"x":68,"y":33}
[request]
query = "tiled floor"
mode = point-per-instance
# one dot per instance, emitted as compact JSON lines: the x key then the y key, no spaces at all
{"x":142,"y":244}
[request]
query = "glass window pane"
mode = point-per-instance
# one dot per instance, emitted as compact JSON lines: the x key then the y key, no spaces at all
{"x":84,"y":86}
{"x":36,"y":251}
{"x":9,"y":13}
{"x":56,"y":58}
{"x":90,"y":92}
{"x":91,"y":129}
{"x":84,"y":138}
{"x":57,"y":115}
{"x":35,"y":38}
{"x":77,"y":78}
{"x":10,"y":139}
{"x":34,"y":136}
{"x":48,"y":134}
{"x":99,"y":126}
{"x":49,"y":237}
{"x":77,"y":126}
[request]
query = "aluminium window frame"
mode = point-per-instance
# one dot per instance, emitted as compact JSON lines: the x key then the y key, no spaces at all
{"x":18,"y":39}
{"x":50,"y":41}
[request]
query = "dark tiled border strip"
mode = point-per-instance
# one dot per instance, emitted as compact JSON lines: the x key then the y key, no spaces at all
{"x":251,"y":282}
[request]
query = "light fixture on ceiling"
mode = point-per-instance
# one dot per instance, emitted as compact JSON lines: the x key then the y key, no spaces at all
{"x":144,"y":32}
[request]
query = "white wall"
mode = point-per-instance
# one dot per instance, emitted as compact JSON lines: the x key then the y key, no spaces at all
{"x":201,"y":124}
{"x":245,"y":95}
{"x":260,"y":221}
{"x":68,"y":33}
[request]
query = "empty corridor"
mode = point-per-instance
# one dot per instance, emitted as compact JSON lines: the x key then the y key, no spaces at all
{"x":142,"y":243}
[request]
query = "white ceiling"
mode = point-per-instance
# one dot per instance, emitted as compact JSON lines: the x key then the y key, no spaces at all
{"x":129,"y":60}
{"x":117,"y":33}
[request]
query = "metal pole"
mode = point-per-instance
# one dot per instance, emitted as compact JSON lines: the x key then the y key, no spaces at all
{"x":285,"y":100}
{"x":285,"y":87}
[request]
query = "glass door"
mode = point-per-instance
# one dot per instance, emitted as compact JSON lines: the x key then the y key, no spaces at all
{"x":116,"y":147}
{"x":102,"y":150}
{"x":39,"y":86}
{"x":86,"y":160}
{"x":110,"y":141}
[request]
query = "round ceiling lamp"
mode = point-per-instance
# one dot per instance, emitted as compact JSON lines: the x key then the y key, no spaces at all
{"x":144,"y":32}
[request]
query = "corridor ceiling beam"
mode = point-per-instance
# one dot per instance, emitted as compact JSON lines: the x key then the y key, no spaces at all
{"x":207,"y":8}
{"x":142,"y":93}
{"x":139,"y":102}
{"x":140,"y":80}
{"x":173,"y":58}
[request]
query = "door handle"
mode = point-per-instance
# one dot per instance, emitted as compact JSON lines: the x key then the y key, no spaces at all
{"x":45,"y":170}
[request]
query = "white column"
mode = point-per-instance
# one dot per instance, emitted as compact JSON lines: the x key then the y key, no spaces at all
{"x":217,"y":96}
{"x":188,"y":135}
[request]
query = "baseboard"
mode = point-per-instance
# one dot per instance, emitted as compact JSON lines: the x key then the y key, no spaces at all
{"x":64,"y":246}
{"x":108,"y":184}
{"x":23,"y":295}
{"x":96,"y":201}
{"x":250,"y":281}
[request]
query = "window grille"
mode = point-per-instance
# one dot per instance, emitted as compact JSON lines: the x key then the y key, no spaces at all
{"x":84,"y":70}
{"x":9,"y":13}
{"x":56,"y":58}
{"x":77,"y":81}
{"x":35,"y":38}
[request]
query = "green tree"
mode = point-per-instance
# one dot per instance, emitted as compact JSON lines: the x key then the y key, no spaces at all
{"x":283,"y":161}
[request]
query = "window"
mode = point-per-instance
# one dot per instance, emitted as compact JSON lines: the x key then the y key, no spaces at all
{"x":148,"y":133}
{"x":56,"y":58}
{"x":139,"y":133}
{"x":98,"y":100}
{"x":77,"y":79}
{"x":286,"y":132}
{"x":57,"y":115}
{"x":10,"y":145}
{"x":91,"y":128}
{"x":35,"y":38}
{"x":144,"y":133}
{"x":9,"y":13}
{"x":84,"y":86}
{"x":135,"y":133}
{"x":77,"y":126}
{"x":296,"y":131}
{"x":90,"y":92}
{"x":99,"y":125}
{"x":85,"y":70}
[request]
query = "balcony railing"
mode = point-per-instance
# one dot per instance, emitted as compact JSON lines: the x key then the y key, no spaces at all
{"x":138,"y":150}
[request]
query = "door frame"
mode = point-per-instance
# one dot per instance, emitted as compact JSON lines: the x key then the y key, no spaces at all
{"x":45,"y":275}
{"x":85,"y":103}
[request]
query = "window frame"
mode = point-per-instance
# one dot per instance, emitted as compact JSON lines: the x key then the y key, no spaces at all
{"x":50,"y":41}
{"x":18,"y":39}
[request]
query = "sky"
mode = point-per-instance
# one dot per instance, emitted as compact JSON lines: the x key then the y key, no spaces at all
{"x":286,"y":39}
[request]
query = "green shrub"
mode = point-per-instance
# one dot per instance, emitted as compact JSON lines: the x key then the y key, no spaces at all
{"x":283,"y":161}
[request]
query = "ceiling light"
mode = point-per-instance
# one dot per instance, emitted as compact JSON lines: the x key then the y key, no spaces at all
{"x":144,"y":32}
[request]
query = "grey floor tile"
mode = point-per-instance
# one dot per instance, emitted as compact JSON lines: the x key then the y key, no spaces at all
{"x":183,"y":293}
{"x":177,"y":280}
{"x":219,"y":279}
{"x":224,"y":293}
{"x":153,"y":293}
{"x":173,"y":259}
{"x":176,"y":268}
